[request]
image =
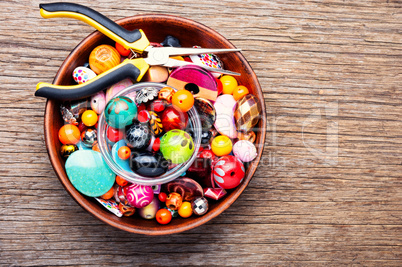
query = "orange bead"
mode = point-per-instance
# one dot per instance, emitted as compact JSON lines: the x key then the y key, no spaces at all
{"x":103,"y":58}
{"x":121,"y":181}
{"x":124,"y":152}
{"x":69,"y":134}
{"x":185,"y":210}
{"x":89,"y":118}
{"x":109,"y":194}
{"x":239,"y":92}
{"x":122,"y":51}
{"x":183,"y":99}
{"x":163,"y":216}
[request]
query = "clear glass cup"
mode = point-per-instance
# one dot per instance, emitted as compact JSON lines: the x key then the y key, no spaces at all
{"x":105,"y":148}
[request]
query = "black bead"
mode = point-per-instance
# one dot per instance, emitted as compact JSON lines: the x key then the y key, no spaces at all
{"x":148,"y":164}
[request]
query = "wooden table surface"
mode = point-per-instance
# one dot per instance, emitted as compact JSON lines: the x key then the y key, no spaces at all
{"x":328,"y":190}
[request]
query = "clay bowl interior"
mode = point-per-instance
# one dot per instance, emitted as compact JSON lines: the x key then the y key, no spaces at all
{"x":156,"y":27}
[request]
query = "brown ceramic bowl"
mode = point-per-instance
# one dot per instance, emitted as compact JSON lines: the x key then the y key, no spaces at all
{"x":156,"y":27}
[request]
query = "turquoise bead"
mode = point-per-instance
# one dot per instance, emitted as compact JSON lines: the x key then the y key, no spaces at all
{"x":120,"y":112}
{"x":88,"y":173}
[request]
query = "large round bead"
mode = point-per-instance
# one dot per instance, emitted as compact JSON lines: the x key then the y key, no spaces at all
{"x":138,"y":136}
{"x":228,"y":172}
{"x":103,"y":58}
{"x":177,"y":146}
{"x":139,"y":196}
{"x":120,"y":112}
{"x":174,"y":118}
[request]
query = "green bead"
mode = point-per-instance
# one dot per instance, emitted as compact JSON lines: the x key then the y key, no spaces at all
{"x":177,"y":146}
{"x":120,"y":112}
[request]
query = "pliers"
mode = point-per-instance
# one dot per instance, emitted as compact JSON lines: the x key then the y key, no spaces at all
{"x":135,"y":40}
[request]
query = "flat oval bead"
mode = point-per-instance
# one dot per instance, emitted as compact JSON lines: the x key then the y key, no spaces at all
{"x":88,"y":173}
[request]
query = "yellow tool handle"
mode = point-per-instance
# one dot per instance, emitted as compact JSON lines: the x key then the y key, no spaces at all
{"x":135,"y":39}
{"x":129,"y":68}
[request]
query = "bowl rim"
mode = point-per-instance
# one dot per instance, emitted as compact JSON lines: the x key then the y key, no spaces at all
{"x":118,"y":222}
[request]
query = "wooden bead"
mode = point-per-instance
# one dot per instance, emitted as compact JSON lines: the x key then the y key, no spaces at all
{"x":103,"y":58}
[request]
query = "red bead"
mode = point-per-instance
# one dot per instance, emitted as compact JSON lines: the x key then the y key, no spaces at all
{"x":174,"y":118}
{"x":228,"y":172}
{"x":157,"y":144}
{"x":141,"y":107}
{"x":81,"y":126}
{"x":220,"y":86}
{"x":143,"y":116}
{"x":162,"y":196}
{"x":157,"y":105}
{"x":114,"y":135}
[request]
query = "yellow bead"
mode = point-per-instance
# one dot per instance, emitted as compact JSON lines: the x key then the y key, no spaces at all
{"x":221,"y":145}
{"x":89,"y":118}
{"x":229,"y":84}
{"x":185,"y":210}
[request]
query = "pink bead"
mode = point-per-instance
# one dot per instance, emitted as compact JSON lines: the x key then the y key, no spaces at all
{"x":139,"y":196}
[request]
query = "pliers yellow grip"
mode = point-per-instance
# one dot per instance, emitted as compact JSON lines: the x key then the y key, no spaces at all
{"x":132,"y":68}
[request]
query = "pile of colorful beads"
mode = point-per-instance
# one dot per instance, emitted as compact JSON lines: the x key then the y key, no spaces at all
{"x":148,"y":134}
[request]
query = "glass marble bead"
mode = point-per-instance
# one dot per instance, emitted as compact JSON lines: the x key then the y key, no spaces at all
{"x":138,"y":136}
{"x":177,"y":146}
{"x":69,"y":134}
{"x":124,"y":152}
{"x":163,"y":216}
{"x":174,"y":118}
{"x":120,"y":112}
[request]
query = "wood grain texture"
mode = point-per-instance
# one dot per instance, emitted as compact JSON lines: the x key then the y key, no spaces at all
{"x":328,"y":190}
